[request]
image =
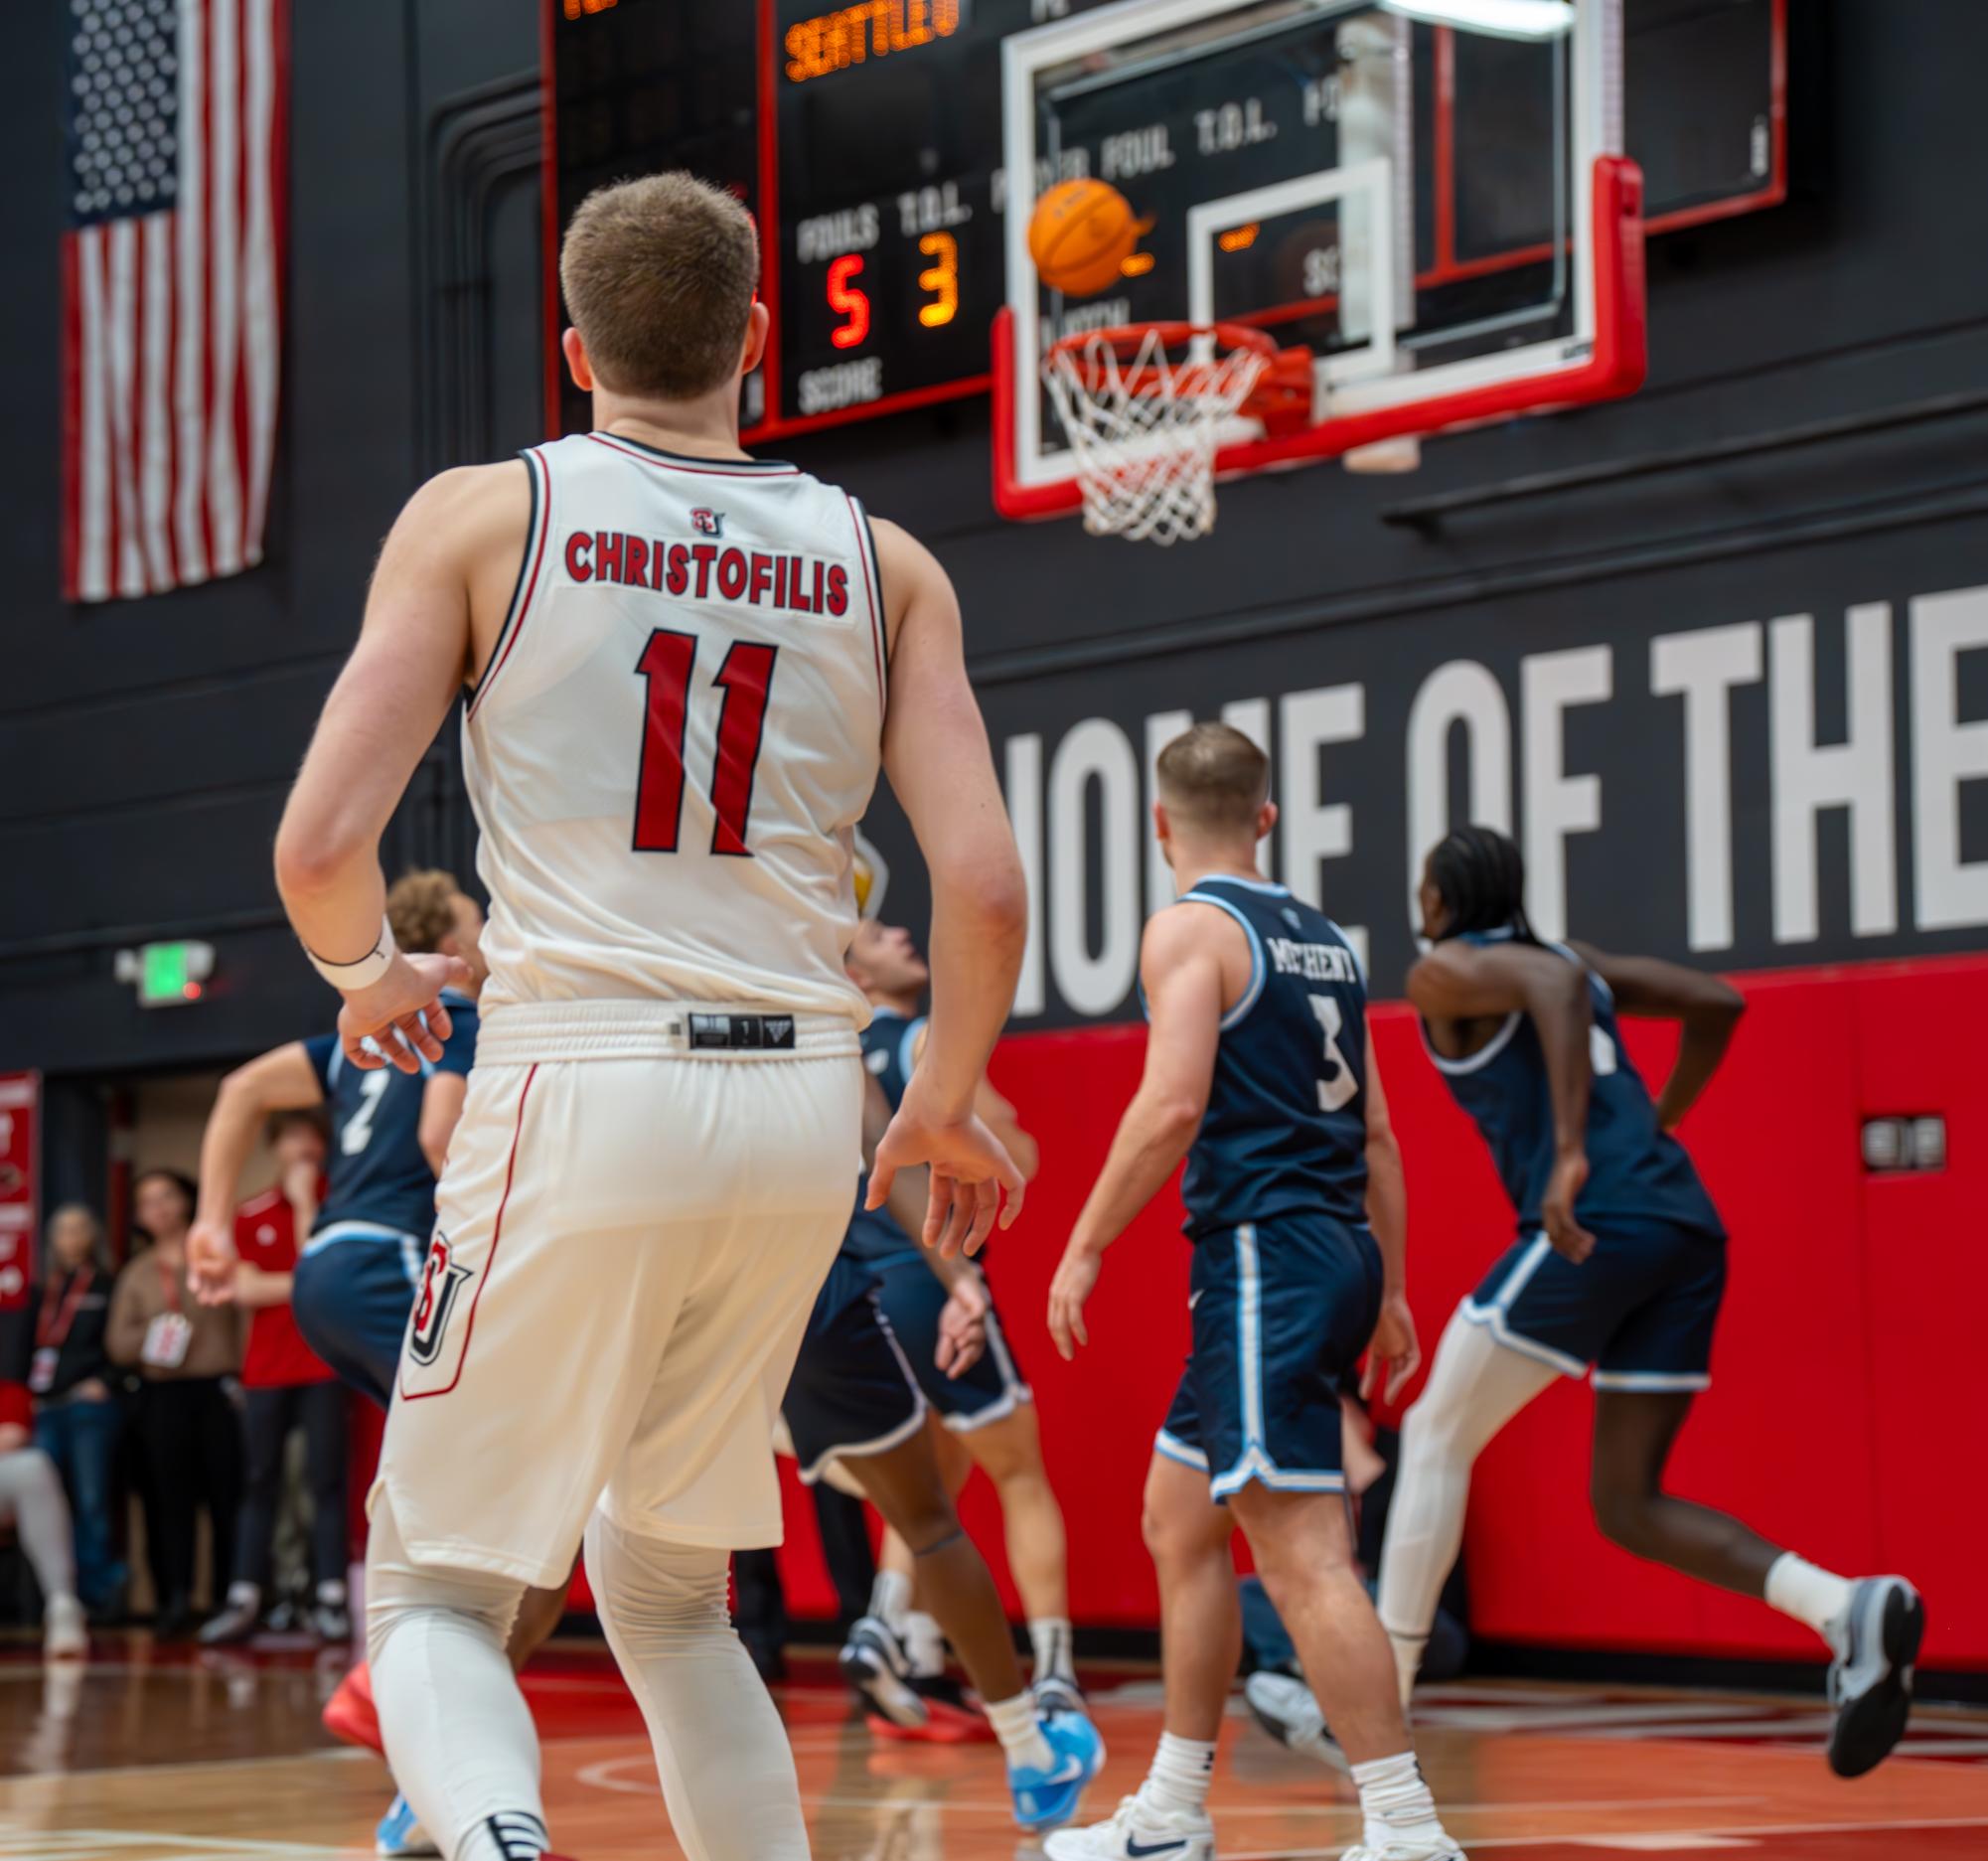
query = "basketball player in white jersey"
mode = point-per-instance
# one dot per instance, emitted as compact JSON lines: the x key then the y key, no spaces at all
{"x":677,"y":659}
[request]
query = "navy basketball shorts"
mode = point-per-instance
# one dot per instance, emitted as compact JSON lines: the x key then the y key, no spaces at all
{"x":1282,"y":1310}
{"x":1641,"y":1308}
{"x":352,"y":1291}
{"x":852,"y":1393}
{"x":987,"y":1392}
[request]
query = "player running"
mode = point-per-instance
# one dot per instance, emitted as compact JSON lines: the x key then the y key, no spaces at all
{"x":1259,"y":1070}
{"x":855,"y":1400}
{"x":355,"y":1281}
{"x":1619,"y":1263}
{"x":988,"y":1412}
{"x":676,"y":658}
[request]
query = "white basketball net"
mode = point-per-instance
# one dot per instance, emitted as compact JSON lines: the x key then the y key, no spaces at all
{"x":1146,"y":428}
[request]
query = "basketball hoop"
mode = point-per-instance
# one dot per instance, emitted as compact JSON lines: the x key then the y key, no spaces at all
{"x":1145,"y":406}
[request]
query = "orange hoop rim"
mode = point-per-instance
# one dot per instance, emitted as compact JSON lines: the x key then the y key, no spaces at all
{"x":1127,"y":336}
{"x":1279,"y":397}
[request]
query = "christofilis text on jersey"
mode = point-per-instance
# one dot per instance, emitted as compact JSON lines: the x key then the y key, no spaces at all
{"x":804,"y":585}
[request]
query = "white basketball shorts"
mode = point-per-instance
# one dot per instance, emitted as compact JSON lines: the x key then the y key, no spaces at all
{"x":629,"y":1235}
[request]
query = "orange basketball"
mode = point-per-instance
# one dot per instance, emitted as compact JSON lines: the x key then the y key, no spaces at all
{"x":1082,"y":232}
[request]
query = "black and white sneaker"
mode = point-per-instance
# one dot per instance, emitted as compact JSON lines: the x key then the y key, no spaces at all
{"x":1057,"y":1692}
{"x":875,"y":1664}
{"x":1284,"y":1707}
{"x":1871,"y":1679}
{"x":238,"y":1619}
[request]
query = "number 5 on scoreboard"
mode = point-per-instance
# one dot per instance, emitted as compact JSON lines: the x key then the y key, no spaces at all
{"x":744,"y":679}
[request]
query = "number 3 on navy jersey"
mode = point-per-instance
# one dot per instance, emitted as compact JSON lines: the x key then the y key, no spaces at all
{"x":1338,"y":1088}
{"x":744,"y":679}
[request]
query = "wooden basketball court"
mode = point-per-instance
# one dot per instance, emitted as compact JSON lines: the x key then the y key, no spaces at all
{"x":170,"y":1756}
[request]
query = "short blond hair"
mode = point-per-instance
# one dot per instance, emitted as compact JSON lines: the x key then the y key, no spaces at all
{"x":660,"y":275}
{"x":422,"y":907}
{"x":1211,"y":776}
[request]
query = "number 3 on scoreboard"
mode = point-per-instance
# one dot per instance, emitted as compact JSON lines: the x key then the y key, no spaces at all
{"x":744,"y":679}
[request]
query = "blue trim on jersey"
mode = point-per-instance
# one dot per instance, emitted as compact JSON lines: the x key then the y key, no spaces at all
{"x":1250,"y":884}
{"x":1258,"y":967}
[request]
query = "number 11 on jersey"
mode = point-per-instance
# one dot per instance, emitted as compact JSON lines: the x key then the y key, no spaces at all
{"x":743,"y":681}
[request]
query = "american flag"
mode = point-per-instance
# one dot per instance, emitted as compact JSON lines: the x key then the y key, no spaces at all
{"x":172,"y":270}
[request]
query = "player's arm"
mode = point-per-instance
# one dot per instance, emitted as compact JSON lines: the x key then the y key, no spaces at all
{"x":413,"y":653}
{"x":1457,"y":980}
{"x":935,"y":752}
{"x":286,"y":1078}
{"x":1000,"y":1117}
{"x":1180,"y":968}
{"x":963,"y":1320}
{"x":1394,"y":1347}
{"x":1707,"y":1007}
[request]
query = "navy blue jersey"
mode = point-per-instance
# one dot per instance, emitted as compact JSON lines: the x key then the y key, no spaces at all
{"x":1638,"y":1174}
{"x":378,"y":1173}
{"x":1286,"y":1128}
{"x":889,"y":1045}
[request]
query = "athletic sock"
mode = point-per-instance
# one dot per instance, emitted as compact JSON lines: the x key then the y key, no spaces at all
{"x":1020,"y":1732}
{"x":1183,"y":1768}
{"x":1408,"y":1652}
{"x":1396,"y":1801}
{"x":1799,"y":1588}
{"x":890,"y":1598}
{"x":244,"y":1596}
{"x":1049,"y":1636}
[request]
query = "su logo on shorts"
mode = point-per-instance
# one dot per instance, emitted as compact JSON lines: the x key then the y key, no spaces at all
{"x":441,"y":1281}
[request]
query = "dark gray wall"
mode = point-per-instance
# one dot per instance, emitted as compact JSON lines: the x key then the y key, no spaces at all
{"x":144,"y":746}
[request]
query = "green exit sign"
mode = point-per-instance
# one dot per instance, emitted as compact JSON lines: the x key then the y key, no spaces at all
{"x":168,"y":975}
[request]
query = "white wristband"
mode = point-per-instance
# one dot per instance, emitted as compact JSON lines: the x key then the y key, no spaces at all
{"x":351,"y":977}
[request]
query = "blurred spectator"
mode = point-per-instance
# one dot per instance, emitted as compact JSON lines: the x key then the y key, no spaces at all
{"x":30,"y":1501}
{"x":79,"y":1423}
{"x":188,"y":1431}
{"x":286,"y":1389}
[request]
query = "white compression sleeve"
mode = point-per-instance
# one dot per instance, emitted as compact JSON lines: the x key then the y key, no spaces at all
{"x":31,"y":1493}
{"x":457,"y":1731}
{"x":721,"y":1752}
{"x":1476,"y":1387}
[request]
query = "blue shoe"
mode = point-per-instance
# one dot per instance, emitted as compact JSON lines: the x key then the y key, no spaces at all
{"x":400,"y":1835}
{"x":1049,"y":1799}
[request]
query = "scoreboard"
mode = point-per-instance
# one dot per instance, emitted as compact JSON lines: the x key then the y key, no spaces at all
{"x":866,"y":140}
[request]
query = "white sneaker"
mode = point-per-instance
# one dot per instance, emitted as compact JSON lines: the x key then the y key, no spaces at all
{"x":65,"y":1634}
{"x":1137,"y":1832}
{"x":1284,"y":1707}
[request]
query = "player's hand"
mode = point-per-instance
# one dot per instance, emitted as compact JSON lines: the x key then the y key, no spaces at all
{"x":1569,"y":1237}
{"x":963,"y":1326}
{"x":1393,"y":1350}
{"x":402,"y":1013}
{"x":211,"y":1263}
{"x":970,"y":1168}
{"x":1076,"y":1275}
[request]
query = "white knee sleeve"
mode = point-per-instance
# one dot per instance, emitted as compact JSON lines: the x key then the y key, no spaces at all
{"x":457,"y":1731}
{"x":1474,"y":1388}
{"x":31,"y":1494}
{"x":721,"y":1752}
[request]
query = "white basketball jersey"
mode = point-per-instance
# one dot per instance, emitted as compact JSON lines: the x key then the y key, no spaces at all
{"x":678,"y":729}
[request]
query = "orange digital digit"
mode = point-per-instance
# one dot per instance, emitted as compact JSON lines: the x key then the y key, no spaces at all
{"x":848,"y":302}
{"x":942,"y":280}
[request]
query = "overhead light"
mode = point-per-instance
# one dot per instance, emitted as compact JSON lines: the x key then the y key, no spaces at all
{"x":1508,"y":19}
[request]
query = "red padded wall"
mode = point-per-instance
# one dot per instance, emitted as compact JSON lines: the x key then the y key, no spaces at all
{"x":1847,"y":1417}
